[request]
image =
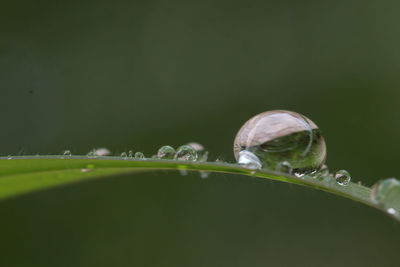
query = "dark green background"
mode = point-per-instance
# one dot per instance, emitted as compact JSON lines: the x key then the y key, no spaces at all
{"x":141,"y":74}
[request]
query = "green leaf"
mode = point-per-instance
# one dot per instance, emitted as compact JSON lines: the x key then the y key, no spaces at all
{"x":21,"y":175}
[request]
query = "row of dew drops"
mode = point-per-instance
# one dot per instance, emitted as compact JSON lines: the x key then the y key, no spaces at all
{"x":189,"y":152}
{"x":385,"y":193}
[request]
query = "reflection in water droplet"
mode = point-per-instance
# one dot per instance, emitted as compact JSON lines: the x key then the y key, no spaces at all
{"x":196,"y":146}
{"x":387,"y":194}
{"x":124,"y":155}
{"x":166,"y":152}
{"x":139,"y":155}
{"x":342,"y":177}
{"x":278,"y":136}
{"x":186,"y":152}
{"x":249,"y":160}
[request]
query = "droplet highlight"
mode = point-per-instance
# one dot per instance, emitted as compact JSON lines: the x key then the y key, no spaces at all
{"x":249,"y":160}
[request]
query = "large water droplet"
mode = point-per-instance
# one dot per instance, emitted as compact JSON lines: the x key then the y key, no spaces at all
{"x":282,"y":136}
{"x":387,"y":194}
{"x":342,"y":177}
{"x":166,"y":152}
{"x":186,"y":152}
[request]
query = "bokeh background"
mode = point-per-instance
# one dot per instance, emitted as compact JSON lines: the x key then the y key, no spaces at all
{"x":140,"y":74}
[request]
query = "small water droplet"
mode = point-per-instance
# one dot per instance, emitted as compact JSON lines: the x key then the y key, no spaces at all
{"x":166,"y":152}
{"x":249,"y":160}
{"x":139,"y":155}
{"x":91,"y":154}
{"x":277,"y":136}
{"x":342,"y":177}
{"x":124,"y":155}
{"x":387,"y":194}
{"x":284,"y":166}
{"x":186,"y":152}
{"x":67,"y":153}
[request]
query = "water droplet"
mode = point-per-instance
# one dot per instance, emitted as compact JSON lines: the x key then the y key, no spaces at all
{"x":186,"y":152}
{"x":139,"y":155}
{"x":124,"y":155}
{"x":102,"y":152}
{"x":67,"y":153}
{"x":284,"y":166}
{"x":342,"y":177}
{"x":387,"y":194}
{"x":249,"y":160}
{"x":278,"y":136}
{"x":166,"y":152}
{"x":91,"y":154}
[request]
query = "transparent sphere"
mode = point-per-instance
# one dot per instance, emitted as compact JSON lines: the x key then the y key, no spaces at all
{"x":279,"y":136}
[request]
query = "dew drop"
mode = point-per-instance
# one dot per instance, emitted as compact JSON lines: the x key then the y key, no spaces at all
{"x":342,"y":177}
{"x":139,"y":155}
{"x":67,"y":153}
{"x":91,"y":154}
{"x":387,"y":194}
{"x":186,"y":152}
{"x":249,"y":160}
{"x":124,"y":155}
{"x":278,"y":136}
{"x":166,"y":152}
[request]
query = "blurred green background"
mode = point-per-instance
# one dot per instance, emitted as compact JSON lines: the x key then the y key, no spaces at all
{"x":141,"y":74}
